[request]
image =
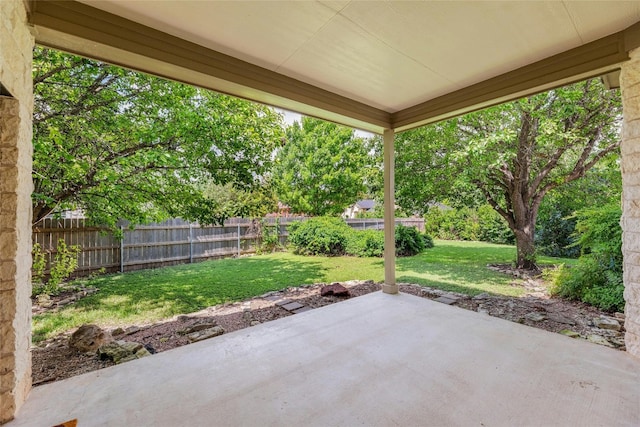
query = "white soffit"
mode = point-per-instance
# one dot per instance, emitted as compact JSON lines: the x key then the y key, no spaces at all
{"x":387,"y":54}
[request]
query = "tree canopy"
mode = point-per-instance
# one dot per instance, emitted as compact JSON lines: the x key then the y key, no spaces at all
{"x":511,"y":155}
{"x":321,"y":169}
{"x":125,"y":145}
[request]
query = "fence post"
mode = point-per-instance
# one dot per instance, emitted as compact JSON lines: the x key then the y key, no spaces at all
{"x":238,"y":239}
{"x":190,"y":243}
{"x":121,"y":249}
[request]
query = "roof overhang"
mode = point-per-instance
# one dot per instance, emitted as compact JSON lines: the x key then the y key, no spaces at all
{"x":89,"y":31}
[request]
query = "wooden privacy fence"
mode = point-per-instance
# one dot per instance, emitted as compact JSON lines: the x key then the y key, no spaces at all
{"x":171,"y":242}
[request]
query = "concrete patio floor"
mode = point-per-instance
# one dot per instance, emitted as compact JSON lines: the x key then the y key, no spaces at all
{"x":375,"y":360}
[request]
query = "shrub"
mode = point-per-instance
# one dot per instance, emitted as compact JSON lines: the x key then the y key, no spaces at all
{"x":39,"y":263}
{"x":319,"y":236}
{"x":597,"y":278}
{"x":366,"y":243}
{"x":332,"y":236}
{"x":409,"y":241}
{"x":428,"y":241}
{"x":555,"y":233}
{"x":493,"y":228}
{"x":269,"y":237}
{"x":62,"y":266}
{"x":483,"y":223}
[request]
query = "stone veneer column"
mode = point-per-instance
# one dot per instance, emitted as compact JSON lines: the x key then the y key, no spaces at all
{"x":630,"y":148}
{"x":16,"y":109}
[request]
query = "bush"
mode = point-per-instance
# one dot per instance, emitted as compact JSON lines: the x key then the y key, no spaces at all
{"x":555,"y":233}
{"x":409,"y":241}
{"x":428,"y":241}
{"x":493,"y":228}
{"x":597,"y":278}
{"x":483,"y":223}
{"x":269,"y":237}
{"x":63,"y":265}
{"x":319,"y":236}
{"x":366,"y":243}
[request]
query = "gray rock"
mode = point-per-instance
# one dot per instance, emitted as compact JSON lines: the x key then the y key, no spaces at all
{"x":130,"y":346}
{"x":197,"y":328}
{"x":65,"y":301}
{"x":617,"y":341}
{"x":88,"y":338}
{"x":131,"y":330}
{"x":255,"y":323}
{"x":597,"y":339}
{"x":205,"y":334}
{"x":482,"y":309}
{"x":122,"y":351}
{"x":535,"y":316}
{"x":604,"y":322}
{"x":569,"y":333}
{"x":444,"y":300}
{"x":559,"y":318}
{"x":42,"y":299}
{"x":335,"y":289}
{"x":117,"y":331}
{"x":481,"y":296}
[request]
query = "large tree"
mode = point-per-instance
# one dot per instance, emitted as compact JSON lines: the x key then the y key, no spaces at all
{"x":513,"y":155}
{"x":321,"y":169}
{"x":125,"y":145}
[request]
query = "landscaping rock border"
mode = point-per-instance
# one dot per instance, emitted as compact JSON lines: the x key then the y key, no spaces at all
{"x":53,"y":360}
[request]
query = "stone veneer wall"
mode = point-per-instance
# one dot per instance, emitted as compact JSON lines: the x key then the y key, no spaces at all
{"x":16,"y":45}
{"x":630,"y":86}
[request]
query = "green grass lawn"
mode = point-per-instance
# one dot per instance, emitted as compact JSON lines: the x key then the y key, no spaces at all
{"x":152,"y":295}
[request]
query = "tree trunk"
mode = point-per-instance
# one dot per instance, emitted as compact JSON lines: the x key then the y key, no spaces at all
{"x":39,"y":212}
{"x":526,"y":258}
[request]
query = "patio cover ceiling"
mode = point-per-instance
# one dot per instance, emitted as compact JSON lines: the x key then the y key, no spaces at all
{"x":370,"y":65}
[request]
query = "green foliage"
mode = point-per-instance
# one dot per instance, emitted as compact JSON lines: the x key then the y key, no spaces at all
{"x":409,"y":241}
{"x":231,"y":201}
{"x":321,"y":169}
{"x":319,"y":236}
{"x":39,"y":264}
{"x":599,"y":232}
{"x":365,"y":243}
{"x":125,"y":145}
{"x":480,"y":224}
{"x":62,"y":266}
{"x":332,"y":236}
{"x":510,"y":156}
{"x":597,"y":278}
{"x":556,"y":220}
{"x":428,"y":241}
{"x":555,"y":230}
{"x":269,"y":239}
{"x":492,"y":227}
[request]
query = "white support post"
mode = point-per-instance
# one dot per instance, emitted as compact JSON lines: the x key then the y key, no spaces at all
{"x":389,"y":286}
